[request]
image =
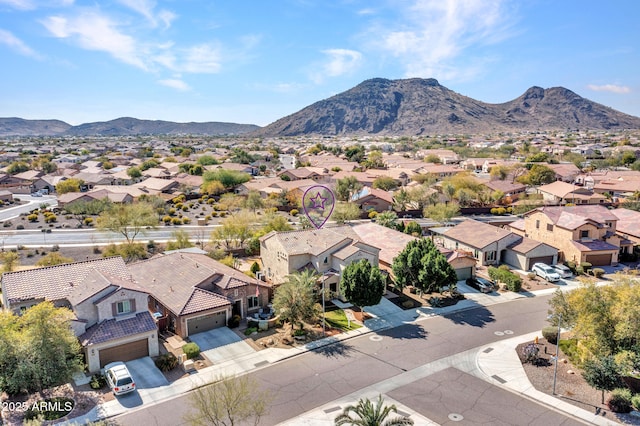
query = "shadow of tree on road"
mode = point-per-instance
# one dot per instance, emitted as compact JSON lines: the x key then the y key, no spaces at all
{"x":335,"y":350}
{"x":476,"y":316}
{"x":406,"y":331}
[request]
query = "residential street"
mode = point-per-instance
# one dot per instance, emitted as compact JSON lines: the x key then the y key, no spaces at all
{"x":394,"y":364}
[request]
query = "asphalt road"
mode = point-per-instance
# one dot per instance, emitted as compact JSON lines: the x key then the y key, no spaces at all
{"x":315,"y":378}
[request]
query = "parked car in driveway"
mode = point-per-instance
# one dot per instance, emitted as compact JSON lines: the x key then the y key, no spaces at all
{"x":563,"y":271}
{"x":545,"y":271}
{"x":482,"y":284}
{"x":118,"y":378}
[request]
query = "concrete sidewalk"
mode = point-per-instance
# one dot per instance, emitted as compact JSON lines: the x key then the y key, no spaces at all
{"x":501,"y":361}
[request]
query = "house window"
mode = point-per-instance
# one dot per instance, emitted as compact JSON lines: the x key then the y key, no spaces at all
{"x":123,"y":307}
{"x":584,"y":234}
{"x":537,"y":224}
{"x":252,"y":302}
{"x":491,"y":256}
{"x":549,"y":227}
{"x":326,"y":259}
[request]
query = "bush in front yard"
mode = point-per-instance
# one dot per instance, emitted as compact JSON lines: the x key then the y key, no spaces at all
{"x":635,"y":401}
{"x":191,"y":350}
{"x":598,"y":272}
{"x":550,"y":333}
{"x":98,"y":381}
{"x":166,"y":362}
{"x":620,"y":401}
{"x":234,"y":321}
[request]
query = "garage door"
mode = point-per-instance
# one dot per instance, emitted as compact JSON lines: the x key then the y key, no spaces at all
{"x":464,"y":273}
{"x":543,"y":259}
{"x":126,"y":352}
{"x":599,"y":259}
{"x":207,"y":322}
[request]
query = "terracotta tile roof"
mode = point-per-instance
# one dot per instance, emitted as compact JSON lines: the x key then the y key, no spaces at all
{"x":313,"y":241}
{"x":518,"y":224}
{"x":559,"y":188}
{"x":57,"y":282}
{"x":114,"y":329}
{"x":202,"y":300}
{"x":476,"y":234}
{"x":389,"y":241}
{"x":525,"y":245}
{"x":505,"y":186}
{"x":574,"y":216}
{"x":595,"y":245}
{"x":173,"y":278}
{"x":629,"y":221}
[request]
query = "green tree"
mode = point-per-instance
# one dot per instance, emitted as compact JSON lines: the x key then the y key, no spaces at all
{"x":207,"y":160}
{"x":294,"y":300}
{"x":413,"y":228}
{"x":10,"y":260}
{"x":388,"y":219}
{"x":230,"y":401}
{"x":345,"y":212}
{"x":422,"y":265}
{"x":129,"y":220}
{"x":601,"y":374}
{"x":17,"y":167}
{"x":442,"y":212}
{"x":54,"y":258}
{"x":275,"y":222}
{"x":43,"y":351}
{"x":385,"y":183}
{"x":362,"y":284}
{"x":134,"y":172}
{"x":228,"y":178}
{"x":180,"y":240}
{"x":499,"y":172}
{"x":235,"y":230}
{"x":129,"y":252}
{"x":365,"y":413}
{"x":539,"y":157}
{"x":81,"y":209}
{"x":254,"y":201}
{"x":69,"y":185}
{"x":539,"y":174}
{"x":374,"y":160}
{"x":354,"y":153}
{"x":347,"y":187}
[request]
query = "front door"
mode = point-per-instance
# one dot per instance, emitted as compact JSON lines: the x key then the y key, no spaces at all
{"x":237,"y":308}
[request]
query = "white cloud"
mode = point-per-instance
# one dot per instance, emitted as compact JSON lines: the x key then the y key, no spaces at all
{"x":17,"y":45}
{"x":175,"y":84}
{"x":146,"y":9}
{"x":338,"y":62}
{"x":433,"y":34}
{"x":93,"y":31}
{"x":19,"y":4}
{"x":201,"y":59}
{"x":613,"y":88}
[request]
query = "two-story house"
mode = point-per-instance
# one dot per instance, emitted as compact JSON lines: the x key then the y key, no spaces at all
{"x":112,"y":321}
{"x":581,"y":233}
{"x":326,"y":250}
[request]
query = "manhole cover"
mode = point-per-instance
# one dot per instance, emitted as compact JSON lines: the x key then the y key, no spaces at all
{"x":455,"y":417}
{"x":498,"y":333}
{"x":508,"y":332}
{"x":375,"y":338}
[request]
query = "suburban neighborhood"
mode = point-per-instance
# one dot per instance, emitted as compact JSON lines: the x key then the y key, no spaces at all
{"x":420,"y":227}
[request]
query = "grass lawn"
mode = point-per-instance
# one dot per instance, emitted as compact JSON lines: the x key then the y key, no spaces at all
{"x":338,"y":319}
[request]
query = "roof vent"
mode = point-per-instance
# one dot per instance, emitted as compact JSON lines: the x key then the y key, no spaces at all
{"x":171,"y":288}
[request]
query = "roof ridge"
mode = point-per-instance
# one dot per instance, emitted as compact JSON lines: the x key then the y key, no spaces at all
{"x":64,"y":264}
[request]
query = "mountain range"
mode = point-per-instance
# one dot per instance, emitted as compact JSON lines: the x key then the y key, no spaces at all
{"x":407,"y":107}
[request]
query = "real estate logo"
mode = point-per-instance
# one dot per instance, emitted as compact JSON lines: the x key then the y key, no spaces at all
{"x":318,"y":202}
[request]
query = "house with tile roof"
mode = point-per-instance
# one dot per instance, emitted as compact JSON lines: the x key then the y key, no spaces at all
{"x":559,"y":192}
{"x":194,"y":293}
{"x":585,"y":233}
{"x":373,"y":199}
{"x":327,"y":251}
{"x":492,"y":245}
{"x":111,"y":320}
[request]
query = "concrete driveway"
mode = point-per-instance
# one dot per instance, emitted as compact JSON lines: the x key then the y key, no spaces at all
{"x":145,"y":373}
{"x":221,"y":345}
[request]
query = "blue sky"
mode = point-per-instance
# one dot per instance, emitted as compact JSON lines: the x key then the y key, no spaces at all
{"x":257,"y":61}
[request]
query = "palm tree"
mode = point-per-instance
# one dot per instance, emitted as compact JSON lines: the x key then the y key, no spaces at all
{"x":368,"y":414}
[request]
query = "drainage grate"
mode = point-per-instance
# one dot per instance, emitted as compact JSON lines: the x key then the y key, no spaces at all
{"x":261,"y":363}
{"x":486,"y":351}
{"x":498,"y":379}
{"x":332,"y":409}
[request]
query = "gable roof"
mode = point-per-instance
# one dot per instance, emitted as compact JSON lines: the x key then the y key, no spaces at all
{"x":629,"y":221}
{"x":575,"y":216}
{"x":310,"y":241}
{"x":389,"y":241}
{"x":114,"y":328}
{"x":59,"y":281}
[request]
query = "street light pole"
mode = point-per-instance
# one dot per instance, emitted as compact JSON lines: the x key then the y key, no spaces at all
{"x":555,"y":372}
{"x":324,"y":278}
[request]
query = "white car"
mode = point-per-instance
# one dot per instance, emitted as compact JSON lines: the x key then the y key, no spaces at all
{"x":545,"y":271}
{"x":563,"y":271}
{"x":118,"y":378}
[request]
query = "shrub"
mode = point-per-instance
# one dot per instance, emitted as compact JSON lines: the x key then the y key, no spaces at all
{"x":635,"y":401}
{"x":166,"y":219}
{"x":579,"y":270}
{"x":598,"y":272}
{"x":176,"y":221}
{"x":250,"y":330}
{"x":223,"y":214}
{"x":494,"y":211}
{"x":33,"y":217}
{"x":586,"y":266}
{"x":166,"y":362}
{"x":7,"y":224}
{"x":214,"y":214}
{"x":50,"y":218}
{"x":186,"y":220}
{"x":191,"y":350}
{"x":530,"y":353}
{"x":185,"y":208}
{"x":571,"y":265}
{"x":172,"y":211}
{"x":234,"y":321}
{"x":55,"y":247}
{"x":88,"y":221}
{"x":179,"y":206}
{"x":532,"y":276}
{"x":255,"y":267}
{"x":373,"y":214}
{"x":294,"y":212}
{"x":20,"y":227}
{"x":98,"y":381}
{"x":620,"y":400}
{"x":550,"y":333}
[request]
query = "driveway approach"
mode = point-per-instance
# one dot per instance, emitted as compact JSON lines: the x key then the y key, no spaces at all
{"x":221,"y":344}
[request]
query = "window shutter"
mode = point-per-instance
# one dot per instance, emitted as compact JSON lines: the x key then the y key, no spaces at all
{"x":132,"y":303}
{"x":114,"y":309}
